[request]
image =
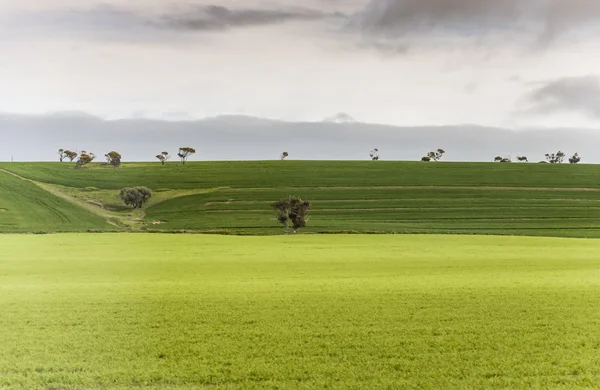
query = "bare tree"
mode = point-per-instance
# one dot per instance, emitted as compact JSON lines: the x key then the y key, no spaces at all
{"x":71,"y":155}
{"x":62,"y":154}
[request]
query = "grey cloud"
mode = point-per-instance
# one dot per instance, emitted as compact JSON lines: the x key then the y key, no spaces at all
{"x":577,"y":94}
{"x":110,"y":21}
{"x":214,"y":17}
{"x":247,"y":138}
{"x":541,"y":20}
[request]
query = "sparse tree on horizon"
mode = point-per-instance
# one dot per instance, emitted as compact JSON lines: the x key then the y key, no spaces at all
{"x":555,"y":158}
{"x":62,"y":154}
{"x":374,"y":154}
{"x":522,"y":159}
{"x":426,"y":159}
{"x":113,"y":158}
{"x":163,"y":157}
{"x":435,"y":156}
{"x":84,"y":159}
{"x":283,"y":156}
{"x":70,"y":155}
{"x":185,"y":153}
{"x":575,"y":159}
{"x":292,"y":210}
{"x":502,"y":159}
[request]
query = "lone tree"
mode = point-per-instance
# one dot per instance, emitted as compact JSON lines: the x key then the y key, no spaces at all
{"x":555,"y":158}
{"x":575,"y":159}
{"x":84,"y":159}
{"x":184,"y":153}
{"x":113,"y":158}
{"x":135,"y":196}
{"x":284,"y":155}
{"x":62,"y":154}
{"x":435,"y":156}
{"x":163,"y":157}
{"x":292,"y":210}
{"x":522,"y":159}
{"x":71,"y":155}
{"x":374,"y":154}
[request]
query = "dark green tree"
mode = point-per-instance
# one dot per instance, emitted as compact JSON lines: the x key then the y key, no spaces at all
{"x":135,"y":196}
{"x":292,"y":211}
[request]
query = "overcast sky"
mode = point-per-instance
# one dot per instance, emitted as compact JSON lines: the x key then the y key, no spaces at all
{"x":509,"y":63}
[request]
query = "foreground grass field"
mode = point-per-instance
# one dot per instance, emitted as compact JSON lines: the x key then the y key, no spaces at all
{"x":346,"y":312}
{"x":347,"y":196}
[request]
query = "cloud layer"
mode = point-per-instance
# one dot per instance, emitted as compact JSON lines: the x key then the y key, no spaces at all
{"x":576,"y":94}
{"x":215,"y":17}
{"x":541,"y":20}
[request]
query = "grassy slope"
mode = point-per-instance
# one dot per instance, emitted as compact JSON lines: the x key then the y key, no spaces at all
{"x":358,"y":312}
{"x":26,"y":208}
{"x":276,"y":174}
{"x":545,"y":199}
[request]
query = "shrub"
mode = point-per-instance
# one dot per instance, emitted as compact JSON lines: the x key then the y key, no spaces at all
{"x":135,"y":196}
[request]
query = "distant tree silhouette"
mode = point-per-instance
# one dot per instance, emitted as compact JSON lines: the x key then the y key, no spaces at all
{"x":284,"y":155}
{"x":575,"y":159}
{"x":184,"y":153}
{"x":374,"y":154}
{"x":522,"y":159}
{"x":113,"y":158}
{"x":163,"y":157}
{"x":84,"y":159}
{"x":555,"y":158}
{"x":434,"y":156}
{"x":502,"y":159}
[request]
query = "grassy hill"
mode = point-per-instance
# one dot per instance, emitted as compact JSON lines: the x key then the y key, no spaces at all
{"x":347,"y":196}
{"x":25,"y":207}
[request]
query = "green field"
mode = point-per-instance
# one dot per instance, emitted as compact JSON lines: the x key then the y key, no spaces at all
{"x":84,"y":311}
{"x":347,"y":196}
{"x":24,"y":207}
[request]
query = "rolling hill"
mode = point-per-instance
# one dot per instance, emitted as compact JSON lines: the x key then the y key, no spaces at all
{"x":347,"y":196}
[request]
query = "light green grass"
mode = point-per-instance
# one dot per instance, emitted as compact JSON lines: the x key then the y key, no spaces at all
{"x":347,"y":312}
{"x":24,"y":207}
